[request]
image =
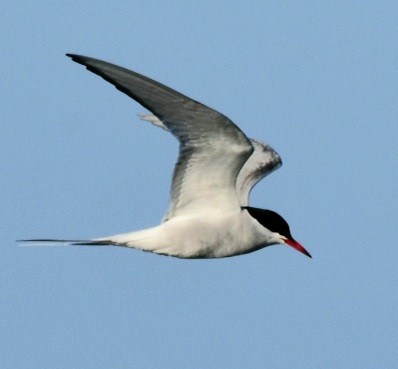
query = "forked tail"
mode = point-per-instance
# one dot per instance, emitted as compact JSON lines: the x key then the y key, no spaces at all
{"x":57,"y":242}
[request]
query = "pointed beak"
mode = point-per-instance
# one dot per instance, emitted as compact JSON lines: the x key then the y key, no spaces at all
{"x":298,"y":247}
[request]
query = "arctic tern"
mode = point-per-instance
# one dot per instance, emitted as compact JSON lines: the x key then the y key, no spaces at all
{"x":208,"y":215}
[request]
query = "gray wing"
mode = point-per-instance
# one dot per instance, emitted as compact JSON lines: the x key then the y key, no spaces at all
{"x":212,"y":148}
{"x":263,"y":161}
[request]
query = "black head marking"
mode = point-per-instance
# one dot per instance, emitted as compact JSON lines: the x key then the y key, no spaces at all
{"x":270,"y":220}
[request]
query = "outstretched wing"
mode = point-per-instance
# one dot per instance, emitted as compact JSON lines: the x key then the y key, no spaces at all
{"x":263,"y":161}
{"x":212,"y":148}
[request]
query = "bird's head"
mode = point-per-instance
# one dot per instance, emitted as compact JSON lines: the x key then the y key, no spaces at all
{"x":278,"y":227}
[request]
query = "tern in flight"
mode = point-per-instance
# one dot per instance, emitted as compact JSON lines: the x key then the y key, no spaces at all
{"x":208,"y":214}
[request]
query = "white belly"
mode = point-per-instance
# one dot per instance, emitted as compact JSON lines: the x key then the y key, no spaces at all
{"x":208,"y":236}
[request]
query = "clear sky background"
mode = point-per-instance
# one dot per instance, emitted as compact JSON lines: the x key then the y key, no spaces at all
{"x":318,"y":80}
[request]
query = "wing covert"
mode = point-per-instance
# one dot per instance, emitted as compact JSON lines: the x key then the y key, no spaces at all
{"x":263,"y":161}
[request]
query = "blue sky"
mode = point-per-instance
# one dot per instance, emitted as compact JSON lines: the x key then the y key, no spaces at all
{"x":316,"y":80}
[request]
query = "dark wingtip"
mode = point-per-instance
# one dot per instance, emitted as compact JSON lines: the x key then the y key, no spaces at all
{"x":76,"y":58}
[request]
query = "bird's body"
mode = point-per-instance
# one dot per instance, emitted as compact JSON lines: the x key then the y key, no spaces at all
{"x":210,"y":234}
{"x":208,"y":214}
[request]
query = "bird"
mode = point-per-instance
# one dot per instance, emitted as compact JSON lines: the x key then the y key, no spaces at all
{"x":218,"y":165}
